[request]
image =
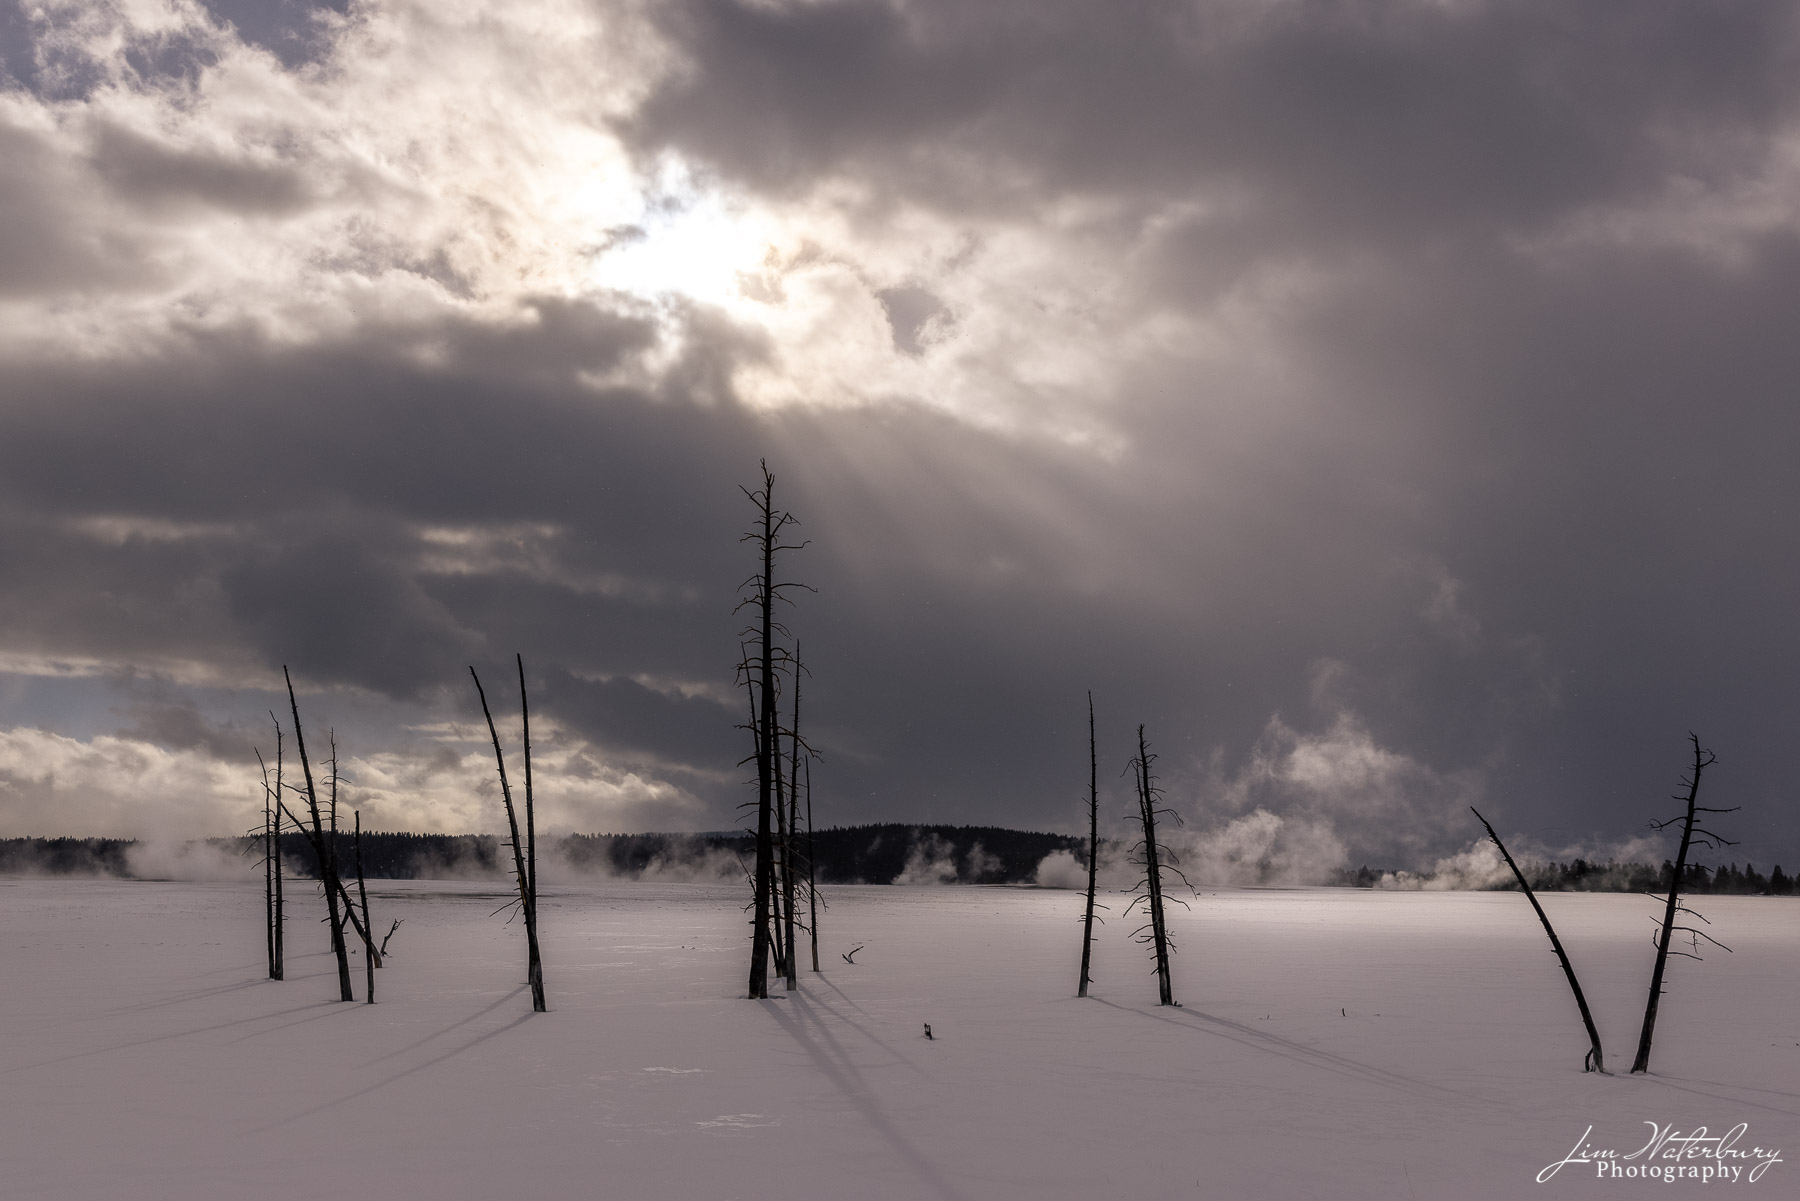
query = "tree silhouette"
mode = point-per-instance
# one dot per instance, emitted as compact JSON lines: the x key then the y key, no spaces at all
{"x":524,"y":850}
{"x":1154,"y":858}
{"x":324,"y":849}
{"x":1087,"y":926}
{"x":759,"y":667}
{"x":1690,"y":834}
{"x":271,"y":835}
{"x":1596,"y":1059}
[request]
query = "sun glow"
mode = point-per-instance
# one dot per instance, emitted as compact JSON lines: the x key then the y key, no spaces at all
{"x":687,"y":241}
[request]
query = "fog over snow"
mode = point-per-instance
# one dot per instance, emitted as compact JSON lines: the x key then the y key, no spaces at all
{"x":1388,"y":403}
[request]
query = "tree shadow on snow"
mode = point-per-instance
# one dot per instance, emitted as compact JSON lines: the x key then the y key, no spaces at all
{"x":173,"y":1034}
{"x":452,"y":1053}
{"x":809,"y":1030}
{"x":1273,"y":1044}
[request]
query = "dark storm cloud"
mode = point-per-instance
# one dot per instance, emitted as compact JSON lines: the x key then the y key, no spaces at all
{"x":1590,"y":439}
{"x":1353,"y":118}
{"x":1480,"y":494}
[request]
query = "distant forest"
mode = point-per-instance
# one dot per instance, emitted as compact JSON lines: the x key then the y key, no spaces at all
{"x":1581,"y":876}
{"x":873,"y":854}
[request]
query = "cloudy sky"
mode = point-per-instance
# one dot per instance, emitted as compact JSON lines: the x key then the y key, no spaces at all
{"x":1390,"y":404}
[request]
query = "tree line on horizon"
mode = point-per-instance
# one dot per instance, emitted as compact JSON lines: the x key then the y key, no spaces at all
{"x":871,"y":853}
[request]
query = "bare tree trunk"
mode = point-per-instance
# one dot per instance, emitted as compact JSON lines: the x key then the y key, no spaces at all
{"x":538,"y":1004}
{"x":812,"y":885}
{"x":326,"y":852}
{"x":350,"y":914}
{"x":1156,"y":931}
{"x":1596,"y":1059}
{"x":763,"y":600}
{"x":536,"y":963}
{"x":362,"y":891}
{"x":791,"y":840}
{"x":268,"y":873}
{"x":758,"y":667}
{"x":1702,"y":760}
{"x":280,"y":920}
{"x":781,"y":851}
{"x":1087,"y":926}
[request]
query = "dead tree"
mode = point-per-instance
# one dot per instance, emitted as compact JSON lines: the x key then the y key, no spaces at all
{"x":812,"y":883}
{"x":1595,"y":1060}
{"x":271,"y":836}
{"x":524,"y":858}
{"x":280,"y":914}
{"x":758,"y":668}
{"x":1690,"y":834}
{"x":367,"y":927}
{"x":324,"y":850}
{"x":1154,"y":858}
{"x":1087,"y":925}
{"x":791,"y":838}
{"x":778,"y":894}
{"x":531,"y":918}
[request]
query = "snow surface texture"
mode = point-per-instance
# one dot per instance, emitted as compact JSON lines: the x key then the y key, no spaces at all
{"x":1334,"y":1044}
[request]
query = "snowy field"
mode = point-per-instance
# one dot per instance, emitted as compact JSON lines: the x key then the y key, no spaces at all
{"x":1333,"y":1044}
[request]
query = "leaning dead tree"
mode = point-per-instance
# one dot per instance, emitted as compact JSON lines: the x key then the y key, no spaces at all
{"x":1154,"y":858}
{"x":1596,"y":1059}
{"x":1673,"y":909}
{"x":1087,"y":924}
{"x":324,"y":849}
{"x":524,"y":850}
{"x":324,"y":846}
{"x":762,"y":662}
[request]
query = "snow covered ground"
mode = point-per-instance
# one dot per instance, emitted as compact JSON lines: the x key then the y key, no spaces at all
{"x":1333,"y":1044}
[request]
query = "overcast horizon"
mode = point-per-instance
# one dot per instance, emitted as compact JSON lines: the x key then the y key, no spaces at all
{"x":1384,"y":403}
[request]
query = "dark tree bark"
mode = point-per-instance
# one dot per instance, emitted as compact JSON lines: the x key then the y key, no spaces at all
{"x":350,"y":915}
{"x":1595,"y":1060}
{"x":812,"y":883}
{"x":1690,"y":834}
{"x":759,"y":667}
{"x":325,"y":850}
{"x":531,"y":919}
{"x":271,"y":836}
{"x":527,"y":907}
{"x":776,"y":894}
{"x":1087,"y":925}
{"x":791,"y":838}
{"x":280,"y":915}
{"x":368,"y":925}
{"x":1155,"y":859}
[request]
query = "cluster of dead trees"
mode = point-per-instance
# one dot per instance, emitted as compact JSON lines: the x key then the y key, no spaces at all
{"x":1149,"y":897}
{"x":321,"y":833}
{"x":770,"y":665}
{"x":320,"y":828}
{"x":1674,"y":926}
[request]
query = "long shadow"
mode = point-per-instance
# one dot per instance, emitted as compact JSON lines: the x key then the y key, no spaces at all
{"x":401,"y":1075}
{"x":333,"y":1008}
{"x":832,"y":985}
{"x":1684,"y":1087}
{"x":832,"y":1060}
{"x":193,"y":994}
{"x":807,"y":1002}
{"x":1274,"y":1044}
{"x":163,"y":1038}
{"x":485,"y":1009}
